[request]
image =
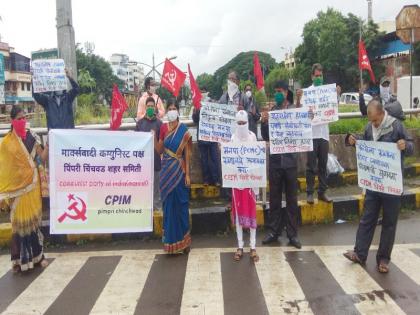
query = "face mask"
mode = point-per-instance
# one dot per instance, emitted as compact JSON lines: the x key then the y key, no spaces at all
{"x":248,"y":94}
{"x":172,"y":115}
{"x":152,"y":89}
{"x":385,"y":93}
{"x":279,"y":98}
{"x":19,"y":126}
{"x":232,"y":89}
{"x":242,"y":132}
{"x":317,"y":81}
{"x":150,"y":112}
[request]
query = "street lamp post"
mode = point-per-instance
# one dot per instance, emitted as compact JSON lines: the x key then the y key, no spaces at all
{"x":154,"y":67}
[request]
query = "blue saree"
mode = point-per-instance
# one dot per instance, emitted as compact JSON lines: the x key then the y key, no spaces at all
{"x":174,"y":192}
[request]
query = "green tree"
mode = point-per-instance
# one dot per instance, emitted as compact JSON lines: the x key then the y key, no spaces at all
{"x":206,"y":81}
{"x":278,"y":73}
{"x":100,"y":70}
{"x":86,"y":82}
{"x":332,"y":40}
{"x":243,"y":64}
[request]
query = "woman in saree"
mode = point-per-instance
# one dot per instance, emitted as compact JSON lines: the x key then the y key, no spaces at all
{"x":21,"y":154}
{"x":175,"y":145}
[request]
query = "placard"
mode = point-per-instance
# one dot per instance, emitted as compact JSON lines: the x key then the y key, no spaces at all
{"x":48,"y":75}
{"x":217,"y":122}
{"x":323,"y":101}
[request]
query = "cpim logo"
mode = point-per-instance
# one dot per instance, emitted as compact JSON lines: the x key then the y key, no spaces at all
{"x":76,"y":209}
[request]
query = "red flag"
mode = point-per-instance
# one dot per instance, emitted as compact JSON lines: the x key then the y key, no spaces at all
{"x":118,"y":107}
{"x":172,"y":78}
{"x":195,"y":90}
{"x":257,"y":72}
{"x":364,"y":63}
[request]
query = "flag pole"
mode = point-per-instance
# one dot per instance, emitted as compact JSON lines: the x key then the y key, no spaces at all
{"x":360,"y":38}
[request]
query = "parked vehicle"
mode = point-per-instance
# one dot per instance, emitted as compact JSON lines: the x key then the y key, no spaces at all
{"x":352,"y":98}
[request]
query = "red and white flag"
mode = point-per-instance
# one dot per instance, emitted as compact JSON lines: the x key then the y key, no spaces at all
{"x":172,"y":78}
{"x":195,"y":90}
{"x":258,"y":73}
{"x":364,"y":63}
{"x":118,"y":107}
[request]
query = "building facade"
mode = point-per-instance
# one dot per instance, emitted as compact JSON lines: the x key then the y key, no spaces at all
{"x":131,"y":72}
{"x":17,"y":79}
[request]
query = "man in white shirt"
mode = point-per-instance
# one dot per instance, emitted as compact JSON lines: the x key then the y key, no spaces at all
{"x":318,"y":158}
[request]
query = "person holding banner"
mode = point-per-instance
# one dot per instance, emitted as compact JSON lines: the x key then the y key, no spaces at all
{"x":58,"y":105}
{"x":244,"y":211}
{"x":233,"y":95}
{"x":382,"y":127}
{"x":283,"y":174}
{"x":146,"y":124}
{"x":21,"y":154}
{"x":150,"y":86}
{"x":318,"y":158}
{"x":251,"y":107}
{"x":175,"y":144}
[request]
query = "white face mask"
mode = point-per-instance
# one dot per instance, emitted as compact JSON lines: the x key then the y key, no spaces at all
{"x":232,"y":89}
{"x":248,"y":94}
{"x":385,"y":93}
{"x":172,"y":115}
{"x":242,"y":132}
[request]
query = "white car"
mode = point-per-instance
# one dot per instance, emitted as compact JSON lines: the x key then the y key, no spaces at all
{"x":353,"y":98}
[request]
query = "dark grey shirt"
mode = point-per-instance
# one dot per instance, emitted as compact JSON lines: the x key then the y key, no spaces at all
{"x":148,"y":125}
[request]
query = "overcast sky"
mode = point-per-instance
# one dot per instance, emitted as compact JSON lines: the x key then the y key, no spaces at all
{"x":205,"y":33}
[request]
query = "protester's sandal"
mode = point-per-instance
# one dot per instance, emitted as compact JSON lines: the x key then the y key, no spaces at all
{"x":238,"y":255}
{"x":44,"y":263}
{"x":352,"y":256}
{"x":383,"y":267}
{"x":15,"y":268}
{"x":253,"y":255}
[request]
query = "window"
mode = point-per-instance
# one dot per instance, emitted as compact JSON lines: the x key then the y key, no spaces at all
{"x":22,"y":86}
{"x":28,"y":86}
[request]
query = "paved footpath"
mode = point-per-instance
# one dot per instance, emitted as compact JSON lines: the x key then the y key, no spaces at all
{"x":314,"y":280}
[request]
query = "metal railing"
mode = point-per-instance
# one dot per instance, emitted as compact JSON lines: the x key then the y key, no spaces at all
{"x":188,"y":122}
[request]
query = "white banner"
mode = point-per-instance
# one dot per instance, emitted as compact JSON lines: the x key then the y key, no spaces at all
{"x":323,"y":101}
{"x":290,"y":131}
{"x":48,"y":75}
{"x":100,"y":181}
{"x":217,"y":122}
{"x":244,"y":164}
{"x":2,"y":97}
{"x":379,"y":167}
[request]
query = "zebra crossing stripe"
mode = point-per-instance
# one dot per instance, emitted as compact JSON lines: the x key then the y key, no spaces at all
{"x":162,"y":292}
{"x":242,"y":293}
{"x":321,"y":289}
{"x":356,"y":282}
{"x":43,"y":291}
{"x":12,"y":285}
{"x":125,"y":285}
{"x":81,"y":293}
{"x":282,"y":292}
{"x":408,"y":262}
{"x":403,"y":290}
{"x":5,"y":264}
{"x":203,"y":291}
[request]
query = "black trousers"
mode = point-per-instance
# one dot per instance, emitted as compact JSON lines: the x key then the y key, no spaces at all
{"x":279,"y":218}
{"x":391,"y":205}
{"x":317,"y":159}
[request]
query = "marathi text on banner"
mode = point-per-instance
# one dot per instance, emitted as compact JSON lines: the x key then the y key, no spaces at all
{"x":244,"y":164}
{"x":290,"y":131}
{"x":100,"y":181}
{"x":323,"y":101}
{"x":217,"y":122}
{"x":48,"y":75}
{"x":379,"y":167}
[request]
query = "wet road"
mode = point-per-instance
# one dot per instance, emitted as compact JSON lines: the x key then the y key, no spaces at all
{"x":136,"y":278}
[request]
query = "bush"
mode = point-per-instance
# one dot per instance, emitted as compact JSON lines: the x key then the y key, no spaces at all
{"x":351,"y":125}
